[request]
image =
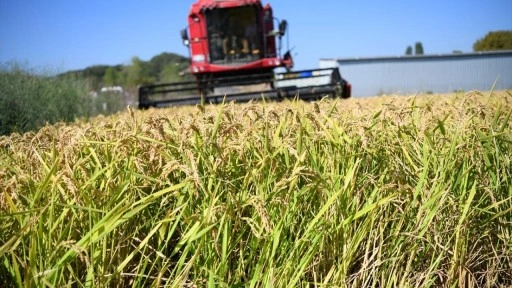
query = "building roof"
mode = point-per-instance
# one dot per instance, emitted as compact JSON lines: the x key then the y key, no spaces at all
{"x":422,"y":57}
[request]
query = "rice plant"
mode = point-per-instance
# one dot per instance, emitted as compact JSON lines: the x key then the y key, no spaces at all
{"x":380,"y":192}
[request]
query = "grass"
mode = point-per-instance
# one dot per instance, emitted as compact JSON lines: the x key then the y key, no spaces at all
{"x":380,"y":192}
{"x":30,"y":99}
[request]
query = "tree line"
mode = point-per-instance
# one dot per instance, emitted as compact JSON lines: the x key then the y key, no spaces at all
{"x":492,"y":41}
{"x":165,"y":67}
{"x":29,"y":100}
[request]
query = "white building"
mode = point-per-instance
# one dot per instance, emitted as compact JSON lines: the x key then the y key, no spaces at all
{"x":427,"y":73}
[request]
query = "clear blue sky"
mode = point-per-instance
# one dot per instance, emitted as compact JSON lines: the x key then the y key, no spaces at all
{"x":67,"y":35}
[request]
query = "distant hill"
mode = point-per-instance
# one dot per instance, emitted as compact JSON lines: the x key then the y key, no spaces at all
{"x":165,"y":67}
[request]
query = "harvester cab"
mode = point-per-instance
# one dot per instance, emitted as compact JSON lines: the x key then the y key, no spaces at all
{"x":234,"y":50}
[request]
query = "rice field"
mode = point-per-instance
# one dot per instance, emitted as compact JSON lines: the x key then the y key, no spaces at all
{"x":380,"y":192}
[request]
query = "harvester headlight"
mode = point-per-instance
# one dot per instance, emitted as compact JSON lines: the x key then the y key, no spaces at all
{"x":198,"y":58}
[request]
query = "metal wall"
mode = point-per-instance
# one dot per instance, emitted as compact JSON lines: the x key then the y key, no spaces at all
{"x":428,"y":73}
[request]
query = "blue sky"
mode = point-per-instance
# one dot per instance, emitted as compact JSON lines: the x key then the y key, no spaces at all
{"x":66,"y":35}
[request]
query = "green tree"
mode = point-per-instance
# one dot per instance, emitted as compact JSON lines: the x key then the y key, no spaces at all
{"x":172,"y":73}
{"x":408,"y":51}
{"x":137,"y":73}
{"x":418,"y":48}
{"x":494,"y":40}
{"x":110,"y":78}
{"x":159,"y":63}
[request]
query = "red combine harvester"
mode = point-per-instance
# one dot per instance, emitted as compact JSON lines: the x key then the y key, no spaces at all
{"x":234,"y":49}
